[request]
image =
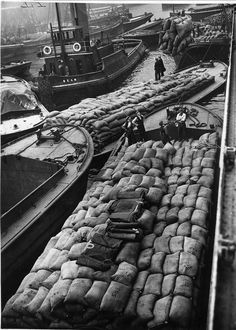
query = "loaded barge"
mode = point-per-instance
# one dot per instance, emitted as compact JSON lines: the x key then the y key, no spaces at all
{"x":44,"y":175}
{"x":132,"y":253}
{"x":104,"y":116}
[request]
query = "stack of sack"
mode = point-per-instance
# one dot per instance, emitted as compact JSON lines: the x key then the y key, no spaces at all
{"x":131,"y":256}
{"x":104,"y":115}
{"x":176,"y":34}
{"x":210,"y":32}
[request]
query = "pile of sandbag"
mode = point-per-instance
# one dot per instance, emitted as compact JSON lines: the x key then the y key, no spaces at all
{"x":176,"y":34}
{"x":104,"y":115}
{"x":149,"y":209}
{"x":210,"y":32}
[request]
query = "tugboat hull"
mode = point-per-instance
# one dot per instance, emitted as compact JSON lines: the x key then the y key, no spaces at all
{"x":61,"y":91}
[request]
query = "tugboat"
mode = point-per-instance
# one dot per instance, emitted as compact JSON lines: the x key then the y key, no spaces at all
{"x":76,"y":68}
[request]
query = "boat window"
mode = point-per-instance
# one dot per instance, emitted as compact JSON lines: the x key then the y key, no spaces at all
{"x":17,"y":96}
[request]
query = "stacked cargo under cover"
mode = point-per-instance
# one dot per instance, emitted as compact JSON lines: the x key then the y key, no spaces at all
{"x":131,"y":255}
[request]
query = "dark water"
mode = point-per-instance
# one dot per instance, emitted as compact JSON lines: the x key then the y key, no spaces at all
{"x":144,"y":71}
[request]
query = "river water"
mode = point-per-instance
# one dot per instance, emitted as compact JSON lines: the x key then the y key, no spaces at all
{"x":145,"y":69}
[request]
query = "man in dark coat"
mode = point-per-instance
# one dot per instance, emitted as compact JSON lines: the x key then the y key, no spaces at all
{"x":129,"y":130}
{"x":139,"y":129}
{"x":162,"y":67}
{"x":159,"y":68}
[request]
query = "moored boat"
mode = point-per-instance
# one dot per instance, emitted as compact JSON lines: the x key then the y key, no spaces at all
{"x":116,"y":28}
{"x":43,"y":176}
{"x":200,"y":13}
{"x":149,"y":215}
{"x":18,"y":68}
{"x":76,"y":68}
{"x":137,"y":21}
{"x":148,"y":33}
{"x":216,"y":49}
{"x":21,"y":111}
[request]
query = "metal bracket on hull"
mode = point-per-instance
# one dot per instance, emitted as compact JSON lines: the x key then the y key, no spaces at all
{"x":227,"y":248}
{"x":56,"y":136}
{"x":230,"y":154}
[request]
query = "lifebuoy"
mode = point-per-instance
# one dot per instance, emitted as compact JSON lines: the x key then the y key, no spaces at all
{"x":47,"y":50}
{"x":76,"y":47}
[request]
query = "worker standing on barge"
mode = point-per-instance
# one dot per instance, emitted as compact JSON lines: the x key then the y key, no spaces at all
{"x":139,"y":129}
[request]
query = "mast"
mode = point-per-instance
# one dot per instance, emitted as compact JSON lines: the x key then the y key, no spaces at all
{"x":63,"y":52}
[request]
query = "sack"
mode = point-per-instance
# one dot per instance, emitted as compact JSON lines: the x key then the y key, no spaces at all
{"x":168,"y":284}
{"x":147,"y":241}
{"x":166,"y":200}
{"x":182,"y":190}
{"x":193,"y":246}
{"x":125,"y":273}
{"x":185,"y":214}
{"x":146,"y":163}
{"x":157,"y":262}
{"x":144,"y":259}
{"x":115,"y":298}
{"x":153,"y":285}
{"x":205,"y":192}
{"x":184,"y":229}
{"x":176,"y":244}
{"x":154,"y":195}
{"x":161,"y":244}
{"x":95,"y":294}
{"x":145,"y":307}
{"x":161,"y":214}
{"x":184,"y":286}
{"x":199,"y":218}
{"x":159,"y":227}
{"x":77,"y":290}
{"x":177,"y":200}
{"x":76,"y":250}
{"x":172,"y":215}
{"x":199,"y":234}
{"x":146,"y":221}
{"x":105,"y":276}
{"x":171,"y":263}
{"x":130,"y":309}
{"x":170,"y":230}
{"x":69,"y":270}
{"x":161,"y":312}
{"x":202,"y":204}
{"x":180,"y":312}
{"x":188,"y":264}
{"x":129,"y":253}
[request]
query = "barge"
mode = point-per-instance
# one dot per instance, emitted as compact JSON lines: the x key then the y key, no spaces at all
{"x":43,"y":176}
{"x":104,"y":116}
{"x":18,"y":68}
{"x":132,"y":254}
